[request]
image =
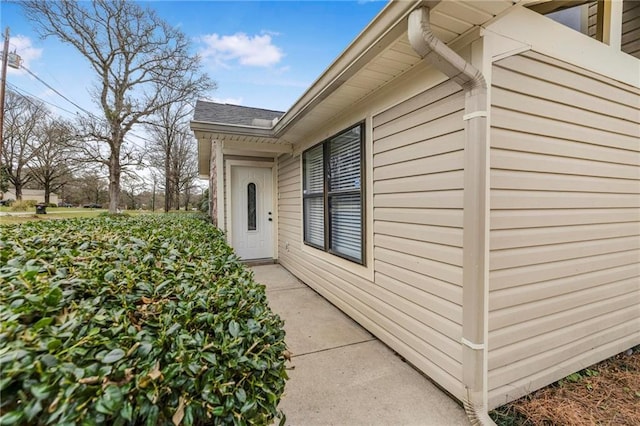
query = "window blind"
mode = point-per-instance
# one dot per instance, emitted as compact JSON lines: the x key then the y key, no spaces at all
{"x":313,"y":196}
{"x":332,"y":194}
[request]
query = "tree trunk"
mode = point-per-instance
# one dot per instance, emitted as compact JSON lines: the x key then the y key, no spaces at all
{"x":114,"y":179}
{"x":47,"y":193}
{"x":167,"y":182}
{"x":18,"y":185}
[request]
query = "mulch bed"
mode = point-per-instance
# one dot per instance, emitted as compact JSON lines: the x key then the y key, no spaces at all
{"x":607,"y":393}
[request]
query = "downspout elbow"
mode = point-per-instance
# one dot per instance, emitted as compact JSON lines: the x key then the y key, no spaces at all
{"x":436,"y":52}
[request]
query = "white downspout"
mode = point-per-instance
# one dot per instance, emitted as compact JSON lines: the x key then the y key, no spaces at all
{"x":475,"y":294}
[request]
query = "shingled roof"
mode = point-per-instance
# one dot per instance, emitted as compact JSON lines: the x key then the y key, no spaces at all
{"x":213,"y":112}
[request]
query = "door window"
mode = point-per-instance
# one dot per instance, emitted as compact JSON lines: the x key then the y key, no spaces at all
{"x":251,"y":207}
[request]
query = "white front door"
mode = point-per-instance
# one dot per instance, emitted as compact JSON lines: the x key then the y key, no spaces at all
{"x":252,"y":212}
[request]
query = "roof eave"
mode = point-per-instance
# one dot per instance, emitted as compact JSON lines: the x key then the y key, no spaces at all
{"x":381,"y":32}
{"x":232,"y":129}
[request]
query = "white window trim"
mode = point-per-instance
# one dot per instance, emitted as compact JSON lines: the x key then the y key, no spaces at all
{"x":363,"y":271}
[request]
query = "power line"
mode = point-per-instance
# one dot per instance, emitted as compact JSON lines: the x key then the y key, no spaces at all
{"x":58,"y":92}
{"x":26,"y":95}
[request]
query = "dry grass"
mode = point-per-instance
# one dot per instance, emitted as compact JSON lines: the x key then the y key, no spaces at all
{"x":607,"y":393}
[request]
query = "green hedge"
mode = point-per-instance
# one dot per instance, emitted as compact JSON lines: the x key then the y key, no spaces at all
{"x":141,"y":320}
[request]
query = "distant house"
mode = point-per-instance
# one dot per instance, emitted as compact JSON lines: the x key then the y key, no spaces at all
{"x":463,"y":181}
{"x":36,"y":195}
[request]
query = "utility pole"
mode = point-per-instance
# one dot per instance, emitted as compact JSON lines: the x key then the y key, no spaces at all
{"x":3,"y":86}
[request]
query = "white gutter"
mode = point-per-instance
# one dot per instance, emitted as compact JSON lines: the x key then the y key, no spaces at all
{"x":475,"y":294}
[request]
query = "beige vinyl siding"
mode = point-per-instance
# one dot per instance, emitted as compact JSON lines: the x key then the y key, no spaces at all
{"x":414,"y":303}
{"x":592,"y":25}
{"x":565,"y":222}
{"x":418,"y":193}
{"x":631,"y":27}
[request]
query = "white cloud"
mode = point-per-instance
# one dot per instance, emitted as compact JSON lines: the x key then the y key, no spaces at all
{"x":27,"y":52}
{"x":232,"y":101}
{"x":256,"y":51}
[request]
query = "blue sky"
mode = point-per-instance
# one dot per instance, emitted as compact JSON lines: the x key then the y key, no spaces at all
{"x":261,"y":54}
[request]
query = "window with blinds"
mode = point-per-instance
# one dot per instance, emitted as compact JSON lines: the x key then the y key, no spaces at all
{"x":333,"y":195}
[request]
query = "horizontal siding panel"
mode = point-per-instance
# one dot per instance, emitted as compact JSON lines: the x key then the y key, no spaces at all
{"x":441,"y":108}
{"x":291,"y":236}
{"x":291,"y":200}
{"x":438,"y":252}
{"x":440,"y":331}
{"x":438,"y":270}
{"x":288,"y":166}
{"x":533,"y":86}
{"x":520,"y":295}
{"x":433,"y":234}
{"x":451,"y":312}
{"x":509,"y":199}
{"x":506,"y":278}
{"x":552,"y":305}
{"x":516,"y":257}
{"x":510,"y":219}
{"x":437,"y":288}
{"x":537,"y":144}
{"x":436,"y":217}
{"x":631,"y":25}
{"x":289,"y":185}
{"x":542,"y":327}
{"x":421,"y":166}
{"x":514,"y":179}
{"x":524,"y":123}
{"x":434,"y":182}
{"x":289,"y":208}
{"x":433,"y":199}
{"x":440,"y":126}
{"x":290,"y":181}
{"x":515,"y":238}
{"x":289,"y":215}
{"x":545,"y":108}
{"x":438,"y":145}
{"x":418,"y":102}
{"x":514,"y":160}
{"x":511,"y":371}
{"x":583,"y":79}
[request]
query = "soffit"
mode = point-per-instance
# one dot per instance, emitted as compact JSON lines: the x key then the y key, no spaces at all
{"x":450,"y":20}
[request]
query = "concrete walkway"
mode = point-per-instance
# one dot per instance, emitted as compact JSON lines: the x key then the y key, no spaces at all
{"x":341,"y":374}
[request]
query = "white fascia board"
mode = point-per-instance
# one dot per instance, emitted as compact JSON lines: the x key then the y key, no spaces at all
{"x":231,"y":129}
{"x":274,"y":148}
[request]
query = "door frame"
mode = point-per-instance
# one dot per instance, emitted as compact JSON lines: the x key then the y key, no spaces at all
{"x":229,"y":195}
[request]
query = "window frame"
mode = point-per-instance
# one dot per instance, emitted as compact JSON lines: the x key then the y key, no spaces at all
{"x":327,"y":195}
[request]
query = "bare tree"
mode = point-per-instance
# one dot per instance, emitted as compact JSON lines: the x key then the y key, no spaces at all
{"x":167,"y":128}
{"x":50,"y":166}
{"x":132,"y":186}
{"x":23,"y":118}
{"x":185,"y":167}
{"x":134,"y":54}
